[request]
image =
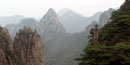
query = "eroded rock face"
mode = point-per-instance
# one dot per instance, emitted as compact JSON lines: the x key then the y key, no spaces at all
{"x":28,"y":47}
{"x":6,"y":50}
{"x":5,"y":39}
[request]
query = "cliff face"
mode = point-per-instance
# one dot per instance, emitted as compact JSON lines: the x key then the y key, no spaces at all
{"x":5,"y":39}
{"x":6,"y":48}
{"x":27,"y":48}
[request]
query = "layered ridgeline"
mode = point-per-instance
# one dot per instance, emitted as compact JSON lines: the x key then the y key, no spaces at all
{"x":26,"y":49}
{"x":28,"y":22}
{"x":4,"y":20}
{"x":110,"y":45}
{"x":74,"y":22}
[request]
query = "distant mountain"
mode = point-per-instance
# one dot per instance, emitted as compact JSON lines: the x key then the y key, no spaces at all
{"x":10,"y":19}
{"x":49,"y":26}
{"x":105,"y":17}
{"x":74,"y":22}
{"x":28,"y":22}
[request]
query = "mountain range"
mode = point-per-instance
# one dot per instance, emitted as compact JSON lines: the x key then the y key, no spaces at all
{"x":60,"y":44}
{"x":74,"y":22}
{"x":10,"y":19}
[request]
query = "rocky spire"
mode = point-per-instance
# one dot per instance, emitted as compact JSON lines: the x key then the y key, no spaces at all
{"x":28,"y":47}
{"x":95,"y":35}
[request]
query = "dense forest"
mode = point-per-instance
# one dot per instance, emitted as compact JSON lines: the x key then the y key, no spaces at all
{"x":110,"y":45}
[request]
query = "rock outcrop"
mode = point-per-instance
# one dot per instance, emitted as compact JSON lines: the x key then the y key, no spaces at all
{"x":6,"y":50}
{"x":95,"y":35}
{"x":28,"y":47}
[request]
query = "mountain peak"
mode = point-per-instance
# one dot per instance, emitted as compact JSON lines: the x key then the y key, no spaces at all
{"x":111,"y":9}
{"x":51,"y":11}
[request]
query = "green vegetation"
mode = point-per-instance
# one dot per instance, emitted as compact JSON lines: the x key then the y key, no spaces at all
{"x":116,"y":31}
{"x":114,"y":38}
{"x":106,"y":55}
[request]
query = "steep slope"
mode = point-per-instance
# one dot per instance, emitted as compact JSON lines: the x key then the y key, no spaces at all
{"x":73,"y":22}
{"x":119,"y":27}
{"x":28,"y":47}
{"x":114,"y":39}
{"x":28,"y":22}
{"x":10,"y":19}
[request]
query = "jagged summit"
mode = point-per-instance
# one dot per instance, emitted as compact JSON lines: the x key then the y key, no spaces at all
{"x":28,"y":47}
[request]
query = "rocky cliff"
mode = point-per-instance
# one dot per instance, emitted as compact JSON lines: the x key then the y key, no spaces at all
{"x":5,"y":48}
{"x":27,"y":48}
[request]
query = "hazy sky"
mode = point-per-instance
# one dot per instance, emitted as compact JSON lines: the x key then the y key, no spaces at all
{"x":37,"y":8}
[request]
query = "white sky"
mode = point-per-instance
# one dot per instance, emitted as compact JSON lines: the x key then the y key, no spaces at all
{"x":37,"y":8}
